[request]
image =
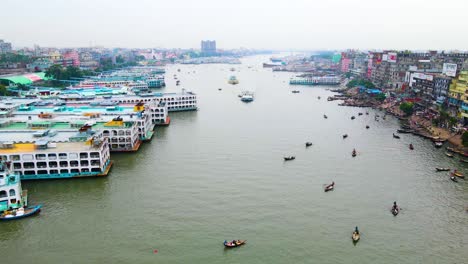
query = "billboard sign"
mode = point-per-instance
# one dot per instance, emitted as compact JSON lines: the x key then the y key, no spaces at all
{"x":392,"y":56}
{"x":450,"y":69}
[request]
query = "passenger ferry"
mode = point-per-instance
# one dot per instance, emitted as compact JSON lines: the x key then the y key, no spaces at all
{"x":12,"y":196}
{"x":44,"y":159}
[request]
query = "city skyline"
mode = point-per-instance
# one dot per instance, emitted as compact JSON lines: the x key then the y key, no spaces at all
{"x":296,"y":25}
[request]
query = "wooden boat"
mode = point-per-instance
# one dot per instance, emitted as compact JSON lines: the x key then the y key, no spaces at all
{"x":345,"y":136}
{"x":325,"y":116}
{"x":295,"y":91}
{"x":18,"y":214}
{"x":356,"y":236}
{"x":289,"y":158}
{"x":395,"y":211}
{"x":451,"y":149}
{"x":438,"y":144}
{"x":403,"y":131}
{"x":234,"y":244}
{"x":329,"y":187}
{"x":367,"y":113}
{"x":442,"y":169}
{"x":458,"y":174}
{"x":411,"y":146}
{"x":367,"y":127}
{"x":353,"y":117}
{"x":396,"y":136}
{"x":308,"y":144}
{"x":318,"y":97}
{"x":360,"y":114}
{"x":354,"y":154}
{"x":453,"y":178}
{"x":449,"y":155}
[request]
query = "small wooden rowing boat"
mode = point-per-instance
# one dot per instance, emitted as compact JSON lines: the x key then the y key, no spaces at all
{"x":449,"y":155}
{"x":464,"y":161}
{"x":308,"y":144}
{"x":453,"y":178}
{"x":289,"y":158}
{"x":325,"y":116}
{"x":403,"y":131}
{"x":396,"y":136}
{"x":458,"y":174}
{"x":234,"y":243}
{"x":356,"y":236}
{"x":395,"y":211}
{"x":329,"y":187}
{"x":353,"y":117}
{"x":18,"y":214}
{"x":438,"y":144}
{"x":345,"y":136}
{"x":411,"y":146}
{"x":367,"y":127}
{"x":442,"y":169}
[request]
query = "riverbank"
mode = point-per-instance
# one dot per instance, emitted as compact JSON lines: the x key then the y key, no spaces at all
{"x":419,"y":124}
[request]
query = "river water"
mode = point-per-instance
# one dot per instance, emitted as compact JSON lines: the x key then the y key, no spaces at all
{"x":218,"y":173}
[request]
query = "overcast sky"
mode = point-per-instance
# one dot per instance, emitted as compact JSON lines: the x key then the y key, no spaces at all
{"x":269,"y":24}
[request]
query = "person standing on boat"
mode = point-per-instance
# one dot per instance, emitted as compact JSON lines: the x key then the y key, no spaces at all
{"x":395,"y":206}
{"x":356,"y":230}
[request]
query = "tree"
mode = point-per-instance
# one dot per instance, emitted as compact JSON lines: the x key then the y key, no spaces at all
{"x":380,"y":97}
{"x":360,"y":82}
{"x":452,"y":121}
{"x":407,"y":108}
{"x":465,"y":139}
{"x":3,"y":90}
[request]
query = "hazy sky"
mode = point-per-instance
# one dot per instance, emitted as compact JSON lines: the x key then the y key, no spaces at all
{"x":275,"y":24}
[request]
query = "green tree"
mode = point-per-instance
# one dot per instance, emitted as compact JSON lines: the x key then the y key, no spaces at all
{"x":380,"y":97}
{"x":3,"y":90}
{"x":465,"y":139}
{"x":407,"y":108}
{"x":360,"y":82}
{"x":452,"y":121}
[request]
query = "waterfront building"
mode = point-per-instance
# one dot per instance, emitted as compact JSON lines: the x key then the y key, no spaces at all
{"x":457,"y":94}
{"x":208,"y":47}
{"x":12,"y":196}
{"x":85,"y":154}
{"x":441,"y":88}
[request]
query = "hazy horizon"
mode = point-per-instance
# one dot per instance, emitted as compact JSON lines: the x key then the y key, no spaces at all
{"x":291,"y":25}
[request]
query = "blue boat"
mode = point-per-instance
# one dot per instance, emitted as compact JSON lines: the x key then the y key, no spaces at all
{"x":20,"y":213}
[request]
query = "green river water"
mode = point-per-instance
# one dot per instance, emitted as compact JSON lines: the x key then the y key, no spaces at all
{"x":218,"y":173}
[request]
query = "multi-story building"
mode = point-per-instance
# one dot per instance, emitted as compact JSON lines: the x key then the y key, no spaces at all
{"x":208,"y":47}
{"x":74,"y":56}
{"x":458,"y":96}
{"x":441,"y":88}
{"x":5,"y":46}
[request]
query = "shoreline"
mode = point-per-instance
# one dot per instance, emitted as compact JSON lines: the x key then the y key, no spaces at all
{"x":417,"y":125}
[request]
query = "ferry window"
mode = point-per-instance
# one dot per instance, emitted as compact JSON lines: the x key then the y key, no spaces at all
{"x":29,"y":165}
{"x":63,"y":171}
{"x":52,"y":156}
{"x":63,"y":155}
{"x":3,"y":194}
{"x":16,"y":165}
{"x":12,"y":192}
{"x":40,"y":156}
{"x":73,"y":155}
{"x":15,"y":157}
{"x":75,"y":171}
{"x":28,"y":157}
{"x":42,"y":172}
{"x":53,"y":171}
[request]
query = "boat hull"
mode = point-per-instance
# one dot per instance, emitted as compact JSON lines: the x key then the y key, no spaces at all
{"x":29,"y":211}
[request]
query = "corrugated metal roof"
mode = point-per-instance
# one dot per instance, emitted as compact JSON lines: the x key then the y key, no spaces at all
{"x":26,"y":78}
